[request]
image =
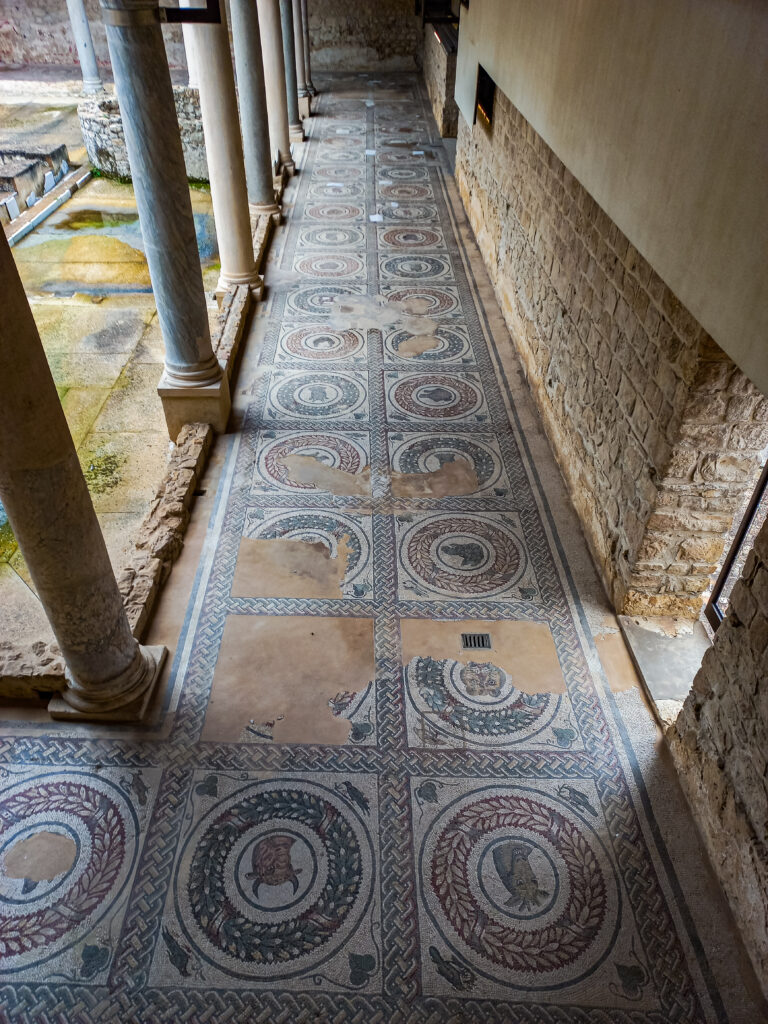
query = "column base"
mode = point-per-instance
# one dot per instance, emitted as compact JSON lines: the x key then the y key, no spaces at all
{"x":296,"y":132}
{"x":91,"y":85}
{"x":311,"y":89}
{"x":265,"y":209}
{"x":255,"y":287}
{"x":137,"y":712}
{"x":288,"y":167}
{"x":208,"y":404}
{"x":305,"y":106}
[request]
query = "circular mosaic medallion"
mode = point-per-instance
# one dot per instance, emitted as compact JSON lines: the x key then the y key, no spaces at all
{"x":334,"y":211}
{"x":467,"y":556}
{"x":391,"y":157}
{"x":317,"y":344}
{"x":332,"y":190}
{"x":412,"y":238}
{"x":448,"y":345}
{"x":319,"y":299}
{"x":476,"y":702}
{"x":338,"y":173}
{"x":318,"y":395}
{"x":274,"y":879}
{"x":405,"y":192}
{"x":428,"y":454}
{"x":335,"y":155}
{"x":75,"y":835}
{"x":334,"y":452}
{"x":412,"y":212}
{"x":424,"y":301}
{"x":416,"y":267}
{"x":406,"y":173}
{"x":336,"y":236}
{"x":436,"y":396}
{"x":342,"y":141}
{"x":330,"y":265}
{"x":521,"y":886}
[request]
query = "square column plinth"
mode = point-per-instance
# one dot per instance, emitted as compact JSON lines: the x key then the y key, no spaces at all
{"x":208,"y":404}
{"x":137,"y":712}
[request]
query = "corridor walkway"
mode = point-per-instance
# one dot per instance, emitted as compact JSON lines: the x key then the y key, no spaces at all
{"x":390,"y":780}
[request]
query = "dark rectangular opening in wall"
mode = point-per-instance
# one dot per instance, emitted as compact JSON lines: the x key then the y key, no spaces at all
{"x":486,"y":91}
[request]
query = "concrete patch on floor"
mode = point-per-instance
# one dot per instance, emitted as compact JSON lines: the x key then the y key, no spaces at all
{"x":452,"y":478}
{"x":524,"y":650}
{"x":289,"y":568}
{"x":375,"y":312}
{"x":616,"y":661}
{"x":667,"y":653}
{"x":417,"y":345}
{"x":307,"y":470}
{"x":285,"y":678}
{"x":40,"y":858}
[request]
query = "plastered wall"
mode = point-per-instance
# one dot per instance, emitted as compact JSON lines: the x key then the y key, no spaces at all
{"x":659,"y":110}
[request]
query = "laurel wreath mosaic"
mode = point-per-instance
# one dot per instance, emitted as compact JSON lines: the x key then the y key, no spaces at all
{"x":472,"y":852}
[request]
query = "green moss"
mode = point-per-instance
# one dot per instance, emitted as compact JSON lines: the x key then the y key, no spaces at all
{"x":199,"y":185}
{"x":8,"y":543}
{"x":121,"y":178}
{"x":102,"y":472}
{"x":85,"y":219}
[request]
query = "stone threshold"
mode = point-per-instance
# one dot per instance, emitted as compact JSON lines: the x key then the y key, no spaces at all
{"x":38,"y":669}
{"x":667,"y":654}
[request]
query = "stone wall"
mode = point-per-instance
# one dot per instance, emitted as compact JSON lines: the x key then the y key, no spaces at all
{"x":720,"y":745}
{"x":104,"y":140}
{"x":440,"y":78}
{"x":38,"y":32}
{"x":354,"y":35}
{"x":657,"y":432}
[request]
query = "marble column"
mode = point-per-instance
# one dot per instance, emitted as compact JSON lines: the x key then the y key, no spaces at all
{"x":81,"y":30}
{"x":298,"y":40}
{"x":192,"y":387}
{"x":109,"y":675}
{"x":189,"y":50}
{"x":307,"y":59}
{"x":224,"y":152}
{"x":274,"y":82}
{"x":253,"y":106}
{"x":289,"y":54}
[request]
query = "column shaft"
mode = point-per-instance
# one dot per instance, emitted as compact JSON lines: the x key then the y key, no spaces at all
{"x":253,"y":105}
{"x":224,"y":152}
{"x":50,"y":510}
{"x":81,"y":30}
{"x":192,"y":77}
{"x":298,"y":39}
{"x":274,"y":81}
{"x":289,"y":54}
{"x":153,"y":144}
{"x":307,"y":60}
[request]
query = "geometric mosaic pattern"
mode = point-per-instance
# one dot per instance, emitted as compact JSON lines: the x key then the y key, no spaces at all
{"x":472,"y":852}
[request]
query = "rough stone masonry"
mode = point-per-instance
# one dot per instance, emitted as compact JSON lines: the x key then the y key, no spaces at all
{"x":657,"y":432}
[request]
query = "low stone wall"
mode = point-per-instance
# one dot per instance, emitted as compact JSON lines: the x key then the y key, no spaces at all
{"x":350,"y":35}
{"x":440,"y":78}
{"x":102,"y":128}
{"x":720,"y":746}
{"x":657,"y":432}
{"x":39,"y":32}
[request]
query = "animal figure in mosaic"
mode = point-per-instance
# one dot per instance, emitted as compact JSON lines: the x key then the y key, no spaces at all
{"x":471,"y":554}
{"x":576,"y":798}
{"x":271,"y":863}
{"x":454,"y":972}
{"x":437,"y":395}
{"x":355,"y":795}
{"x":481,"y":679}
{"x":517,"y":875}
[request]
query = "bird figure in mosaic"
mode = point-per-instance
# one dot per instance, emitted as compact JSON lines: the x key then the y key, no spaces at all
{"x":517,"y":875}
{"x":576,"y":798}
{"x":452,"y":970}
{"x":271,"y":863}
{"x":355,"y":795}
{"x":178,"y":956}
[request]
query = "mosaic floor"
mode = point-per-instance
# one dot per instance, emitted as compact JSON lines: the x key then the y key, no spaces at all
{"x":388,"y":782}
